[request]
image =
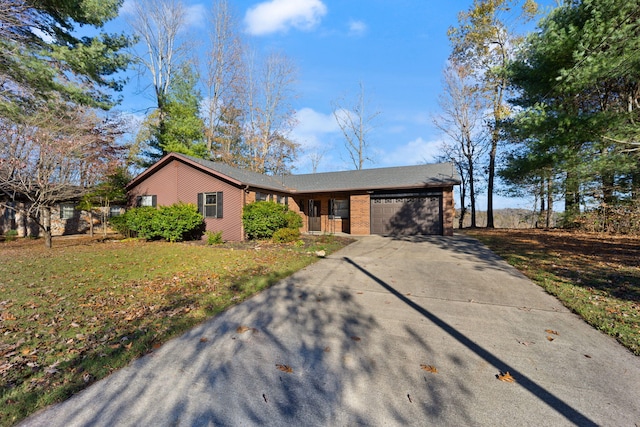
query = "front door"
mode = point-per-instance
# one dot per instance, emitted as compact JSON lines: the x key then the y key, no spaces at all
{"x":314,"y":216}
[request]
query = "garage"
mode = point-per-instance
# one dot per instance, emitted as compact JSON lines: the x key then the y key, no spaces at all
{"x":406,"y":214}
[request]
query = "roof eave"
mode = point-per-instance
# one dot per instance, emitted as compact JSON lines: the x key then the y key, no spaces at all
{"x":440,"y":184}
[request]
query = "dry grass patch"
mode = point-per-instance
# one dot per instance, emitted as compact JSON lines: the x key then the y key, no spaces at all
{"x":597,"y":276}
{"x":74,"y":314}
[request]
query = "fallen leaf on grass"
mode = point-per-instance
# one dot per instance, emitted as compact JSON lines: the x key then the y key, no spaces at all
{"x":549,"y":338}
{"x":285,"y":368}
{"x":327,"y":349}
{"x":551,"y":331}
{"x":204,"y":339}
{"x":506,"y":377}
{"x":355,"y":338}
{"x":429,"y":368}
{"x":242,"y":329}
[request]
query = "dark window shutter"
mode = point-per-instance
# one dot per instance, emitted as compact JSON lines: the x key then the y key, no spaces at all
{"x":219,"y":204}
{"x":154,"y":200}
{"x":138,"y":201}
{"x":200,"y":203}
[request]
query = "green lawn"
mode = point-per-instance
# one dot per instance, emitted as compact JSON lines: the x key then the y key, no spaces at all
{"x":73,"y":314}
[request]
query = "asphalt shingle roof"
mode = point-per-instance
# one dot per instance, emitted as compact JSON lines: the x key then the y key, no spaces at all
{"x":418,"y":176}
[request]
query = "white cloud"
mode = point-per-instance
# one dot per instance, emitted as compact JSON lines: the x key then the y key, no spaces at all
{"x":280,"y":15}
{"x":195,"y":16}
{"x":313,"y":128}
{"x":413,"y":153}
{"x":357,"y":28}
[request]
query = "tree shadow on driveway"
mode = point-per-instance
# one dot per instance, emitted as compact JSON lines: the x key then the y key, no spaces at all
{"x":540,"y":392}
{"x":344,"y":369}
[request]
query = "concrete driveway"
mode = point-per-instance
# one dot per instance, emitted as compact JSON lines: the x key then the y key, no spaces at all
{"x":355,"y":329}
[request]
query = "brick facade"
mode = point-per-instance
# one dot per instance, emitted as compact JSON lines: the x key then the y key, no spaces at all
{"x":341,"y":200}
{"x":448,"y":211}
{"x":360,"y":214}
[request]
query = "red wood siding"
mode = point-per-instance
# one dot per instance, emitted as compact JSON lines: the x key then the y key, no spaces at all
{"x":179,"y":182}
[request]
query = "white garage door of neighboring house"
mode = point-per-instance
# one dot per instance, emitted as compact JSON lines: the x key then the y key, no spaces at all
{"x":406,"y":214}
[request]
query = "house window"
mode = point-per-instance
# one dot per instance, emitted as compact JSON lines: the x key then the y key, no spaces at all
{"x":115,"y":211}
{"x":262,"y":197}
{"x":10,"y":212}
{"x":210,"y":204}
{"x":67,"y":211}
{"x":339,"y":208}
{"x":282,"y":200}
{"x":147,"y":200}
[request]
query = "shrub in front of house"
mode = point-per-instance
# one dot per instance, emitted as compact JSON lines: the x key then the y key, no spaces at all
{"x":262,"y":219}
{"x":294,"y":221}
{"x":286,"y":235}
{"x":180,"y":221}
{"x":214,"y":238}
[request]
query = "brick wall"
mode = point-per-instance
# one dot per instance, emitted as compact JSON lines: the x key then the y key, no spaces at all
{"x":360,"y":206}
{"x":449,"y":211}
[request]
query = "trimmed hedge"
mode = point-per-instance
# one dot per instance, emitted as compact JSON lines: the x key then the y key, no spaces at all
{"x":180,"y":221}
{"x":262,"y":219}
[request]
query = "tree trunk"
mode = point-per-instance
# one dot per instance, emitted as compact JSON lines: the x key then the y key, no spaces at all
{"x":463,"y":208}
{"x":571,"y":199}
{"x":549,"y":202}
{"x":46,"y":227}
{"x":105,"y":217}
{"x":472,"y":194}
{"x":492,"y":174}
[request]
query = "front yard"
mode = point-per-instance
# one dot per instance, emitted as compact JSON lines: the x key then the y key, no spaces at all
{"x":71,"y":315}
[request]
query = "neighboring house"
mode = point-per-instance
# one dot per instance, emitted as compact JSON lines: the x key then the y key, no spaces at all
{"x":407,"y":200}
{"x":65,"y":219}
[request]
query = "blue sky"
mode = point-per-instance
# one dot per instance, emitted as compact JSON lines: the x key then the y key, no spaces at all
{"x":396,"y":48}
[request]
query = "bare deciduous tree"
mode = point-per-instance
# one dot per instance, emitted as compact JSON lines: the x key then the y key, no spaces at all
{"x":270,"y":117}
{"x":224,"y":82}
{"x":356,"y":123}
{"x":484,"y":41}
{"x":463,"y":111}
{"x":158,"y":24}
{"x":54,"y":157}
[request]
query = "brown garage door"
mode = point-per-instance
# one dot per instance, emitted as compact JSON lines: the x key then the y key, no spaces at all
{"x":406,"y":215}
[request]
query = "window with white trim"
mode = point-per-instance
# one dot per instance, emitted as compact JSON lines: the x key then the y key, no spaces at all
{"x":115,"y":211}
{"x":147,"y":200}
{"x":210,"y":204}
